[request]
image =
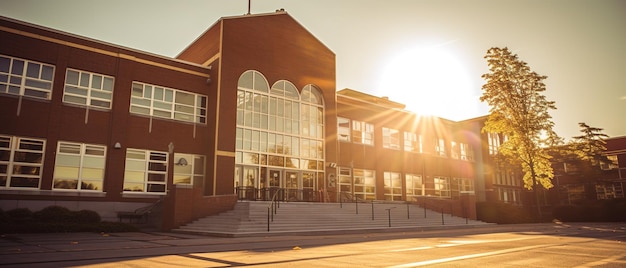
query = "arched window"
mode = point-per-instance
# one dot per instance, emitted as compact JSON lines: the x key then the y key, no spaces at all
{"x":279,"y":136}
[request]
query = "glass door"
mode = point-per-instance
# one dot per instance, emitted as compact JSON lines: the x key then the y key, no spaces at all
{"x":275,"y":178}
{"x":292,"y":186}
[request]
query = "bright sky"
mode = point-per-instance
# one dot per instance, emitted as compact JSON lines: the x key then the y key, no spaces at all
{"x":427,"y":54}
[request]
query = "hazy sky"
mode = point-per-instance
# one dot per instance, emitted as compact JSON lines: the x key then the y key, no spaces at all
{"x":579,"y":44}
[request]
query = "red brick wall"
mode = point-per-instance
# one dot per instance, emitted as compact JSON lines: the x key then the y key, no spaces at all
{"x":464,"y":207}
{"x":184,"y":205}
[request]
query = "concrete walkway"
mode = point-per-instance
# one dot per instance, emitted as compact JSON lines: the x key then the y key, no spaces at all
{"x":71,"y":249}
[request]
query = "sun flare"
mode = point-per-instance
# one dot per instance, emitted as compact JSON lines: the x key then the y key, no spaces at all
{"x":430,"y":82}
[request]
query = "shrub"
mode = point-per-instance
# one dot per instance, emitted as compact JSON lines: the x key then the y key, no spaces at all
{"x":85,"y":216}
{"x":53,"y":214}
{"x":19,"y":215}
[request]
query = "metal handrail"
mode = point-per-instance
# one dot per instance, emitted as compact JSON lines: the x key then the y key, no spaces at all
{"x":272,"y":208}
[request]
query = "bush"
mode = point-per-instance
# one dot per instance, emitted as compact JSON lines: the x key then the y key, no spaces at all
{"x":57,"y":219}
{"x":53,"y":214}
{"x":85,"y":216}
{"x":19,"y":215}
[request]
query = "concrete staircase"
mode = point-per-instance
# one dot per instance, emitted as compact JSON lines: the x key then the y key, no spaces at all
{"x":299,"y":218}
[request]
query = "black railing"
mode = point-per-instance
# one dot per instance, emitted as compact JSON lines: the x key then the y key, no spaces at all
{"x":280,"y":194}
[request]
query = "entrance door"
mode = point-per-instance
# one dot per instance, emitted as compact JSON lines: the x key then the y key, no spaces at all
{"x":275,"y":178}
{"x":292,"y":186}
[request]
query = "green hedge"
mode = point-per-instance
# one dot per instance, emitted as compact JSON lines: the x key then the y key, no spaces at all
{"x":56,"y":219}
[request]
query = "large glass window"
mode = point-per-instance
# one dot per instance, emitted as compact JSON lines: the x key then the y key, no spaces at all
{"x":25,"y":78}
{"x":343,"y":129}
{"x":393,"y":186}
{"x":168,"y":103}
{"x":88,"y":89}
{"x":391,"y":138}
{"x":188,"y":169}
{"x":442,"y":186}
{"x":79,"y":166}
{"x":455,"y":151}
{"x":412,"y":142}
{"x":440,"y":147}
{"x":279,"y":128}
{"x":362,"y":132}
{"x":494,"y":142}
{"x":466,"y":152}
{"x":146,"y":171}
{"x":21,"y":162}
{"x":364,"y":184}
{"x":414,"y":185}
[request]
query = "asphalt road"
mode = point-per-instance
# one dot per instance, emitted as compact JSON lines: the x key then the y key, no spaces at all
{"x":528,"y":245}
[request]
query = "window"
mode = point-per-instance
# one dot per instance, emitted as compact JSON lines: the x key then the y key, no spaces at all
{"x":613,"y":164}
{"x":507,"y":195}
{"x":391,"y":138}
{"x":494,"y":142}
{"x":440,"y":147}
{"x":455,"y":151}
{"x":79,"y":166}
{"x":146,"y":171}
{"x":442,"y":187}
{"x":343,"y":129}
{"x":362,"y":132}
{"x":88,"y":89}
{"x":168,"y":103}
{"x":345,"y":180}
{"x":278,"y":127}
{"x":412,"y":142}
{"x":21,"y":162}
{"x":393,"y":186}
{"x":188,"y":169}
{"x":465,"y":185}
{"x":364,"y":184}
{"x":466,"y":152}
{"x":414,"y":185}
{"x":25,"y":78}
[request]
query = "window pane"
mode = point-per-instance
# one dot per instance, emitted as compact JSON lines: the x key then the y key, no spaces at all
{"x":84,"y":80}
{"x":32,"y":70}
{"x":108,"y":84}
{"x":4,"y":64}
{"x":96,"y":82}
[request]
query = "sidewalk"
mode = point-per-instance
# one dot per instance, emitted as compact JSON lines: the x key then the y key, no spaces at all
{"x":70,"y":249}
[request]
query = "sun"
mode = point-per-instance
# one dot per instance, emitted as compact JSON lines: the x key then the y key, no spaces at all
{"x":429,"y":81}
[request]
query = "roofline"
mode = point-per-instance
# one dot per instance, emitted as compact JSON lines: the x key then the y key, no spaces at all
{"x":89,"y":39}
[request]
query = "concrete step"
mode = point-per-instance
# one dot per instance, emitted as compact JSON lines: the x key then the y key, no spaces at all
{"x":251,"y":218}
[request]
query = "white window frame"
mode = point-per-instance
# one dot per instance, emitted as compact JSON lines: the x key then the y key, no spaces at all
{"x":410,"y":182}
{"x":189,"y":166}
{"x":362,"y":132}
{"x":393,"y":186}
{"x":440,"y":147}
{"x":85,"y":152}
{"x":151,"y":161}
{"x":442,"y":186}
{"x":391,"y":138}
{"x":344,"y":129}
{"x":31,"y":81}
{"x":95,"y":94}
{"x":163,"y":102}
{"x":10,"y":149}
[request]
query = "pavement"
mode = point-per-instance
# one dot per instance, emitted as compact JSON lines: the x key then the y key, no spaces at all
{"x":170,"y":249}
{"x":59,"y":249}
